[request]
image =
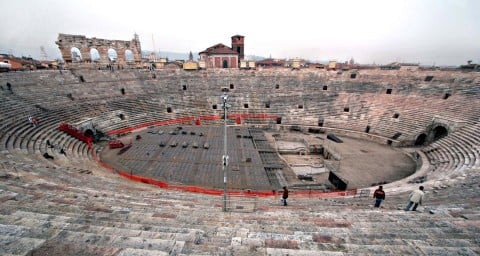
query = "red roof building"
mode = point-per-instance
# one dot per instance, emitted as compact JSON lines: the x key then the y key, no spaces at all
{"x":23,"y":63}
{"x":271,"y":63}
{"x":222,"y":56}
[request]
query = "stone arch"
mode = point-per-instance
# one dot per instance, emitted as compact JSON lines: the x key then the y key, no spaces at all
{"x":421,"y":139}
{"x":112,"y":55}
{"x":129,"y":57}
{"x":65,"y":43}
{"x":436,"y":131}
{"x":439,"y":132}
{"x":94,"y":55}
{"x":76,"y":54}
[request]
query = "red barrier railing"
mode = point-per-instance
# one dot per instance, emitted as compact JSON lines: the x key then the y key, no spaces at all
{"x":71,"y":130}
{"x":115,"y":144}
{"x":152,"y":123}
{"x":218,"y":192}
{"x":143,"y":179}
{"x":253,"y":116}
{"x":190,"y":119}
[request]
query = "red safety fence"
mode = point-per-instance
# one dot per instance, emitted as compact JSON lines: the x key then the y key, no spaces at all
{"x":190,"y":119}
{"x":71,"y":130}
{"x":115,"y":144}
{"x":253,"y":116}
{"x":210,"y":118}
{"x":143,"y":179}
{"x":153,"y":123}
{"x":104,"y":165}
{"x":248,"y":193}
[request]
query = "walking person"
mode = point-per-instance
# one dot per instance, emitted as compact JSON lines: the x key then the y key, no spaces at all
{"x":285,"y":196}
{"x":415,"y":198}
{"x":379,"y":196}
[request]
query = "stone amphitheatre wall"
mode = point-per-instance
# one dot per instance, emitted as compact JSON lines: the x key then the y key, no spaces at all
{"x":133,"y":98}
{"x":397,"y":105}
{"x":66,"y":42}
{"x":72,"y":204}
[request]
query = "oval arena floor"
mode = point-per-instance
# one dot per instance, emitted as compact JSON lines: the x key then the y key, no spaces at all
{"x":73,"y":205}
{"x":176,"y":155}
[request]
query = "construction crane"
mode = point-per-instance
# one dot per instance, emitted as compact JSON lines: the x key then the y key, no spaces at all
{"x":43,"y":53}
{"x":154,"y":49}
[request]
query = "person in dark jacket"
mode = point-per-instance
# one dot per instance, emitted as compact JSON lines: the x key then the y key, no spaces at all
{"x":379,"y":196}
{"x":285,"y":196}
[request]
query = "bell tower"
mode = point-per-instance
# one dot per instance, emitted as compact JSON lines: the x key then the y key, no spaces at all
{"x":238,"y":45}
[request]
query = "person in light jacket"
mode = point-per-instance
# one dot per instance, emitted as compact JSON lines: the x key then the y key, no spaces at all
{"x":415,"y":198}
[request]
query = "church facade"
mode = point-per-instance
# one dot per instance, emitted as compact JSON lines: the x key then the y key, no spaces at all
{"x":222,"y":56}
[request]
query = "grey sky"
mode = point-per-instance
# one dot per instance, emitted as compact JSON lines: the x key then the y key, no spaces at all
{"x":444,"y":32}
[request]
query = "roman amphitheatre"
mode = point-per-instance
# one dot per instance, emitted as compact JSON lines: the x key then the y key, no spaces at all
{"x":129,"y":160}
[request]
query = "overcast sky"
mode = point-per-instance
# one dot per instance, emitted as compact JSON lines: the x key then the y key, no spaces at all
{"x":441,"y":32}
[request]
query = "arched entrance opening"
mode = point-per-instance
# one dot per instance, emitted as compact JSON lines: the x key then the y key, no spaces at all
{"x":421,"y":139}
{"x":225,"y":64}
{"x":76,"y":54}
{"x":439,"y":132}
{"x":94,"y":55}
{"x":129,"y":56}
{"x":112,"y":55}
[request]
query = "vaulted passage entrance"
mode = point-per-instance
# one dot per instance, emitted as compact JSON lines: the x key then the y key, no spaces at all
{"x":439,"y":132}
{"x":421,"y":139}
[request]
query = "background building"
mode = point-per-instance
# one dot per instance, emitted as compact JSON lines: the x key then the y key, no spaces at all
{"x":222,"y":56}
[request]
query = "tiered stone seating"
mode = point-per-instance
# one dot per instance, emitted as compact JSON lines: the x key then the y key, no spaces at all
{"x":458,"y":152}
{"x":26,"y":138}
{"x":88,"y":212}
{"x":71,"y":204}
{"x":369,"y":105}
